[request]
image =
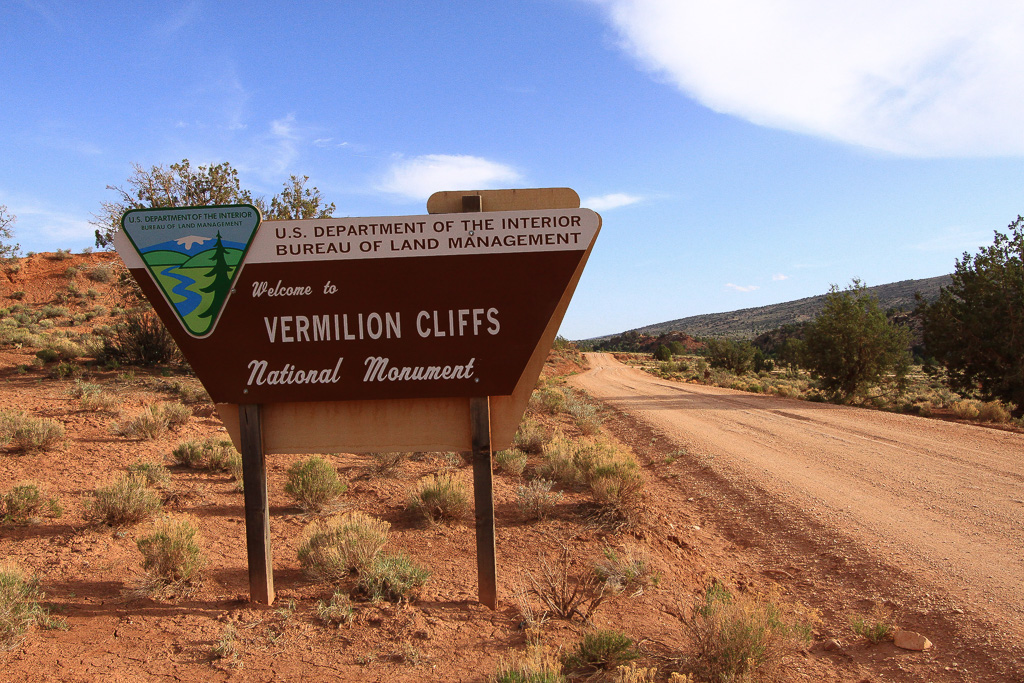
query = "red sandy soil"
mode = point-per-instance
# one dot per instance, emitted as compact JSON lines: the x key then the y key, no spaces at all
{"x":697,"y":522}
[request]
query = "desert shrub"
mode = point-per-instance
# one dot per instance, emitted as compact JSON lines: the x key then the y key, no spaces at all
{"x":337,"y":611}
{"x":60,"y":255}
{"x":628,"y":569}
{"x":313,"y":483}
{"x":93,"y":398}
{"x":26,"y":501}
{"x":530,"y":437}
{"x":187,"y":393}
{"x":548,"y":400}
{"x":147,"y":425}
{"x":226,"y":647}
{"x":21,"y":432}
{"x":965,"y":409}
{"x":59,"y":349}
{"x":993,"y":411}
{"x":535,"y":498}
{"x":175,"y":414}
{"x":19,"y":606}
{"x":189,"y":453}
{"x":172,"y":557}
{"x":560,"y":462}
{"x":331,"y":549}
{"x":662,"y":353}
{"x":101,"y":273}
{"x":741,"y":637}
{"x":140,"y":339}
{"x":563,"y":592}
{"x":511,"y":461}
{"x":154,"y":473}
{"x":386,"y":464}
{"x":439,"y":497}
{"x":17,"y":296}
{"x":126,"y":500}
{"x":394,"y":578}
{"x":583,"y":413}
{"x":600,"y":650}
{"x":618,"y":486}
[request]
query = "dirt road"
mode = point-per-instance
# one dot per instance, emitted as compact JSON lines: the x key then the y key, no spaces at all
{"x":943,"y":502}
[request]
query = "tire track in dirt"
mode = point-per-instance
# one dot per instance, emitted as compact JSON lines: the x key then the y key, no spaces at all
{"x":940,"y":501}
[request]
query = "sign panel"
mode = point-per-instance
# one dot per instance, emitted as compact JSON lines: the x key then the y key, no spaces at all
{"x":411,"y":307}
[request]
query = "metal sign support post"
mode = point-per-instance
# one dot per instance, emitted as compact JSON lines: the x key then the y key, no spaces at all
{"x":257,"y":509}
{"x":483,"y":488}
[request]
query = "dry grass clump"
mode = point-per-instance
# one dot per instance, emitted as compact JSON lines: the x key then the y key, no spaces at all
{"x":20,"y":432}
{"x":625,"y":570}
{"x":584,"y":414}
{"x":126,"y":500}
{"x":26,"y":502}
{"x":965,"y":409}
{"x":739,"y":637}
{"x":439,"y":497}
{"x":19,"y":606}
{"x":547,"y":400}
{"x":148,"y":425}
{"x":535,"y":665}
{"x":313,"y":483}
{"x":334,"y":548}
{"x":337,"y":611}
{"x":172,"y":557}
{"x":233,"y":464}
{"x":535,"y":498}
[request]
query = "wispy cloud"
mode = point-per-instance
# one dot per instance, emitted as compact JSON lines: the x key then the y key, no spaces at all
{"x":610,"y":201}
{"x":40,"y":227}
{"x":419,"y":177}
{"x":779,"y":277}
{"x":915,"y":78}
{"x":741,"y":288}
{"x":180,"y":17}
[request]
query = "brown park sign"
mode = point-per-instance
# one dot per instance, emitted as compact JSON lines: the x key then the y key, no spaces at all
{"x":342,"y":309}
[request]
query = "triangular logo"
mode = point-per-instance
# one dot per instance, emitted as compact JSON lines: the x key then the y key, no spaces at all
{"x":194,"y":255}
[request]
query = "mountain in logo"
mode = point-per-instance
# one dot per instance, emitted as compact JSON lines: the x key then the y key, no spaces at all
{"x":195,"y":271}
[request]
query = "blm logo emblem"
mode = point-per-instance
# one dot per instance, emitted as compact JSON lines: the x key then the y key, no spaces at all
{"x":194,"y":255}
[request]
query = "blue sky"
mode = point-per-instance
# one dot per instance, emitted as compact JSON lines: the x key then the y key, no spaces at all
{"x":740,"y":153}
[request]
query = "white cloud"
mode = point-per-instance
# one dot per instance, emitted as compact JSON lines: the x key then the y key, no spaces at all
{"x":956,"y":240}
{"x":917,"y":77}
{"x":610,"y":201}
{"x":39,"y":227}
{"x":419,"y":177}
{"x":742,"y":288}
{"x":779,"y":277}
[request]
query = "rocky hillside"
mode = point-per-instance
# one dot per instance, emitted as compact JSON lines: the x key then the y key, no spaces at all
{"x":748,"y":323}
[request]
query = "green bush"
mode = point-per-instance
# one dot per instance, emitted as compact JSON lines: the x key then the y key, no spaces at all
{"x":439,"y":497}
{"x":601,"y":650}
{"x":172,"y":557}
{"x":333,"y":548}
{"x":314,"y":484}
{"x":126,"y":500}
{"x":394,"y":578}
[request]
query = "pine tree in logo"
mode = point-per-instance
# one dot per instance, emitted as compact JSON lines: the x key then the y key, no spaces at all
{"x":221,"y":283}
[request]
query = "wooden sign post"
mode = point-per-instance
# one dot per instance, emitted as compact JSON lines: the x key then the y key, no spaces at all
{"x":360,"y":335}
